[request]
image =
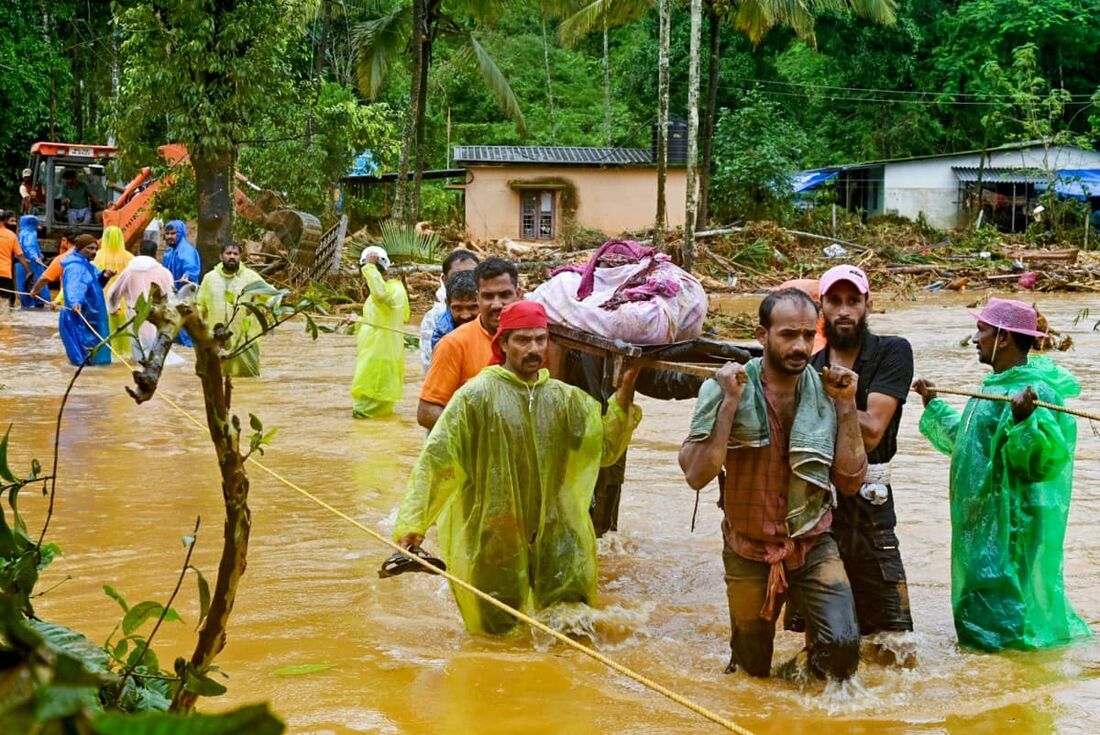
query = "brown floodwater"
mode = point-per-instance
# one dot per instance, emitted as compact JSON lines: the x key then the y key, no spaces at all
{"x":133,"y":479}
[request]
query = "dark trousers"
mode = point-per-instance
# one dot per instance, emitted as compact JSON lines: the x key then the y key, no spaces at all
{"x":818,"y":590}
{"x":873,"y":563}
{"x":7,"y":289}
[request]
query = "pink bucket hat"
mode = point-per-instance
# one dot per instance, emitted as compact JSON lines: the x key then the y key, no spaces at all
{"x":848,"y":273}
{"x":1011,"y":316}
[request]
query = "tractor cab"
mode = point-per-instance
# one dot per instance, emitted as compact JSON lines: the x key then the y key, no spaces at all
{"x":48,"y":164}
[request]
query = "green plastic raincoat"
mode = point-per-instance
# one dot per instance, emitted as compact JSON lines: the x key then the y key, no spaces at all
{"x":1010,"y":493}
{"x":217,"y":294}
{"x":507,"y":475}
{"x":380,"y":366}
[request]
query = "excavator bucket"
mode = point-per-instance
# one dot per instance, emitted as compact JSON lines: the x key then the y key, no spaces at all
{"x":299,"y":232}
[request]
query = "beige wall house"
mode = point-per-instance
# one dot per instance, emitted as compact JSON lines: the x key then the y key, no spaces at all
{"x":533,"y":192}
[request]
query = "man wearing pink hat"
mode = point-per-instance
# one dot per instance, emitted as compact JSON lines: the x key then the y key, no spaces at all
{"x":1011,"y":480}
{"x":864,"y":523}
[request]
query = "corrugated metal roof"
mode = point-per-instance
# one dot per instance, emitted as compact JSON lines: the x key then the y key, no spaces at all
{"x":995,"y":175}
{"x":560,"y":155}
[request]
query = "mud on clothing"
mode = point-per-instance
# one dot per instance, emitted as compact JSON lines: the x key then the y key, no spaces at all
{"x":818,"y":589}
{"x":864,"y":532}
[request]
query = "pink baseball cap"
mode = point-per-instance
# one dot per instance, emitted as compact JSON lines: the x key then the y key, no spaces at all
{"x":848,"y":273}
{"x":1011,"y":316}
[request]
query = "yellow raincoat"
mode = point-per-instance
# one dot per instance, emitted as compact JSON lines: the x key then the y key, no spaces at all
{"x":217,"y":295}
{"x":114,"y":256}
{"x":380,"y":367}
{"x":507,"y":474}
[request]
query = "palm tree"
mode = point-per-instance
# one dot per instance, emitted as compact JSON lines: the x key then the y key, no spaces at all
{"x":412,"y":27}
{"x":754,"y":18}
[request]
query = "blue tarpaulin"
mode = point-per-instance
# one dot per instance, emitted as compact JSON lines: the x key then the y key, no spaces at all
{"x":805,"y":181}
{"x":1079,"y":183}
{"x":364,"y":165}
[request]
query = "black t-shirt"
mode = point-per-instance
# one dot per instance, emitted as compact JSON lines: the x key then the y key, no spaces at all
{"x":884,"y":365}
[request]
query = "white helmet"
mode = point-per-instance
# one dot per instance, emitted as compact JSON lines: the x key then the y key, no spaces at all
{"x":383,"y":258}
{"x":26,"y":173}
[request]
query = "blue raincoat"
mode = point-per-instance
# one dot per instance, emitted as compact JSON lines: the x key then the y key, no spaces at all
{"x":83,"y":287}
{"x":28,"y":241}
{"x":183,"y":260}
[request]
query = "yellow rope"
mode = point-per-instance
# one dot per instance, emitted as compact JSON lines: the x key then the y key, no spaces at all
{"x":1008,"y":399}
{"x":586,"y":650}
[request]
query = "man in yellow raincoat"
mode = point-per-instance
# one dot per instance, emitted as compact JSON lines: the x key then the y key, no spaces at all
{"x":217,"y":300}
{"x":507,"y":475}
{"x":113,"y":256}
{"x":380,"y":366}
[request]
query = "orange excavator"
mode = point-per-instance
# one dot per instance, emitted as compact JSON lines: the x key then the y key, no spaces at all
{"x":130,"y":207}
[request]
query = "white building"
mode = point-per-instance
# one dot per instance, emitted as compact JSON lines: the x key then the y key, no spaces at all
{"x":939,"y":187}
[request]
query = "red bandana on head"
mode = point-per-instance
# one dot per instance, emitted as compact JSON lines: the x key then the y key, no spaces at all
{"x":519,"y":315}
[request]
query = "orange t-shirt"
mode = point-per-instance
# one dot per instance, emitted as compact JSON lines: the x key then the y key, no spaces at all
{"x":9,"y":248}
{"x":54,"y":269}
{"x":459,"y":356}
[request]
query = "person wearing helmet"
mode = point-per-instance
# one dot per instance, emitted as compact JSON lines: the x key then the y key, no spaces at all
{"x":220,"y":301}
{"x":1010,"y":484}
{"x":380,"y":366}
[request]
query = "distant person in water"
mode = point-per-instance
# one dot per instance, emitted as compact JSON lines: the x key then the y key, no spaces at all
{"x":1011,"y":480}
{"x":220,"y":300}
{"x":134,"y":283}
{"x":380,"y":364}
{"x":182,"y":260}
{"x":83,"y":322}
{"x":507,"y":474}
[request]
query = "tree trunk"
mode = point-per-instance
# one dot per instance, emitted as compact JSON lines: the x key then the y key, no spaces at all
{"x":430,"y":15}
{"x":662,"y":124}
{"x":687,"y":249}
{"x":322,"y":41}
{"x":703,"y":216}
{"x":549,"y":81}
{"x":400,"y":199}
{"x":226,"y":434}
{"x":214,"y":187}
{"x":606,"y":85}
{"x":78,"y":99}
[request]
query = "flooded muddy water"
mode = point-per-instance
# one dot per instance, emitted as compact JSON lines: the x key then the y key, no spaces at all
{"x":133,"y":479}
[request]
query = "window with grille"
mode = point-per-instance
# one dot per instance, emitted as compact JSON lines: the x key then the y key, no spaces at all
{"x":536,"y":218}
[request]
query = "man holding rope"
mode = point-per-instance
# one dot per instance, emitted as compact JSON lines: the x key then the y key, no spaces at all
{"x":1010,"y":485}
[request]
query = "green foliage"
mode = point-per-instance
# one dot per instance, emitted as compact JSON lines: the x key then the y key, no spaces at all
{"x":756,"y":151}
{"x":57,"y":681}
{"x":200,"y":73}
{"x":249,"y":720}
{"x":401,"y":241}
{"x":328,"y":129}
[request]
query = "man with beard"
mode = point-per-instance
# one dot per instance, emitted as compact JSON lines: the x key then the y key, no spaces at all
{"x":863,"y":524}
{"x":783,"y":435}
{"x":466,"y":351}
{"x":508,"y":474}
{"x":1011,"y":482}
{"x":219,"y":302}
